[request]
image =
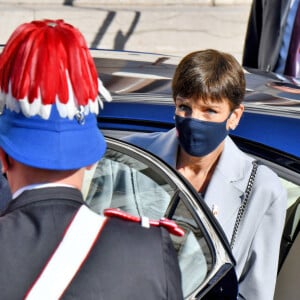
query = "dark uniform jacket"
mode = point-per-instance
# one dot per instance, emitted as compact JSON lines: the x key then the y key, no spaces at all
{"x":127,"y":262}
{"x":265,"y":33}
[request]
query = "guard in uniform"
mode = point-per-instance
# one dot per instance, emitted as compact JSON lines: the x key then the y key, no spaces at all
{"x":52,"y":246}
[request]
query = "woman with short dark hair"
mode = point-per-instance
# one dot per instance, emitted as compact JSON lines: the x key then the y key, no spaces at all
{"x":208,"y":89}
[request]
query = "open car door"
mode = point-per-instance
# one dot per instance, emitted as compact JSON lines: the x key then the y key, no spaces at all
{"x":139,"y":183}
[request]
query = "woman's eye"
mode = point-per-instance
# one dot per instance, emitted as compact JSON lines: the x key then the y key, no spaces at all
{"x":184,"y":108}
{"x":211,"y":111}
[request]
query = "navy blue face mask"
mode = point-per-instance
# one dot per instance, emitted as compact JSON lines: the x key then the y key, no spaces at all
{"x":199,"y":138}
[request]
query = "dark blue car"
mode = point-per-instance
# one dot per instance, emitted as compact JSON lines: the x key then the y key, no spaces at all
{"x":269,"y":131}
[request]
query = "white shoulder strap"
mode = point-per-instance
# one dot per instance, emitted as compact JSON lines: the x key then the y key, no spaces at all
{"x":70,"y":254}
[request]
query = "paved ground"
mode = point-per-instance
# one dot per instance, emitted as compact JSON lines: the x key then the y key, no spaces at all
{"x":168,"y":29}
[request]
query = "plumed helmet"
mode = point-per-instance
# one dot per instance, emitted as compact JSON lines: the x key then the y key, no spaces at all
{"x":49,"y":97}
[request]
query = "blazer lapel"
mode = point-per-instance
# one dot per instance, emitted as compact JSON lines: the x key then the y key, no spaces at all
{"x":227,"y":186}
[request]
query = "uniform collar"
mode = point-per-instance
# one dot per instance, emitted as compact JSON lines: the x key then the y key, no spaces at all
{"x":55,"y":193}
{"x":37,"y":186}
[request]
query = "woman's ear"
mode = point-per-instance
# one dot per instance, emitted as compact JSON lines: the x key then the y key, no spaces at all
{"x":235,"y":117}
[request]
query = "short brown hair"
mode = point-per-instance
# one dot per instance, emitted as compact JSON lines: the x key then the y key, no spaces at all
{"x":210,"y":74}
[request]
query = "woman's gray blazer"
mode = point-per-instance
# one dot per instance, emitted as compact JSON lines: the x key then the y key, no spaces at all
{"x":257,"y":244}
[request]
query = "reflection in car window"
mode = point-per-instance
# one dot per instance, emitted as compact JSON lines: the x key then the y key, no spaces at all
{"x":121,"y":181}
{"x":194,"y":255}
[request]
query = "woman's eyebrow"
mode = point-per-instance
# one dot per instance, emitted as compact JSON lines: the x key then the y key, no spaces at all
{"x":179,"y":98}
{"x":210,"y":105}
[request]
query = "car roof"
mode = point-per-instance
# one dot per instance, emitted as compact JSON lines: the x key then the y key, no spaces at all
{"x":272,"y":101}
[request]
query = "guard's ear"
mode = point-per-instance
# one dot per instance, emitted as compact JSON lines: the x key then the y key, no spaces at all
{"x":90,"y":167}
{"x":5,"y":161}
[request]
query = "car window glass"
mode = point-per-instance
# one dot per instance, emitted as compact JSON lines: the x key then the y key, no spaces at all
{"x":195,"y":258}
{"x":121,"y":181}
{"x":293,"y":209}
{"x":291,"y":227}
{"x":293,"y":191}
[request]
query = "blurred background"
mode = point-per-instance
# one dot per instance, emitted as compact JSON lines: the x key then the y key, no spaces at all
{"x":162,"y":26}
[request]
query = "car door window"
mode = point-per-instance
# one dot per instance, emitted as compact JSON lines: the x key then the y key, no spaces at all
{"x":293,"y":191}
{"x":122,"y":180}
{"x":291,"y":227}
{"x":194,"y":255}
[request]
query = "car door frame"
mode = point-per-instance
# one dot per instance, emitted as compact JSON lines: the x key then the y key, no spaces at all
{"x":224,"y":261}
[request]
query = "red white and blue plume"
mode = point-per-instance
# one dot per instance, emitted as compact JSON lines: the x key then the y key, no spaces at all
{"x":46,"y":63}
